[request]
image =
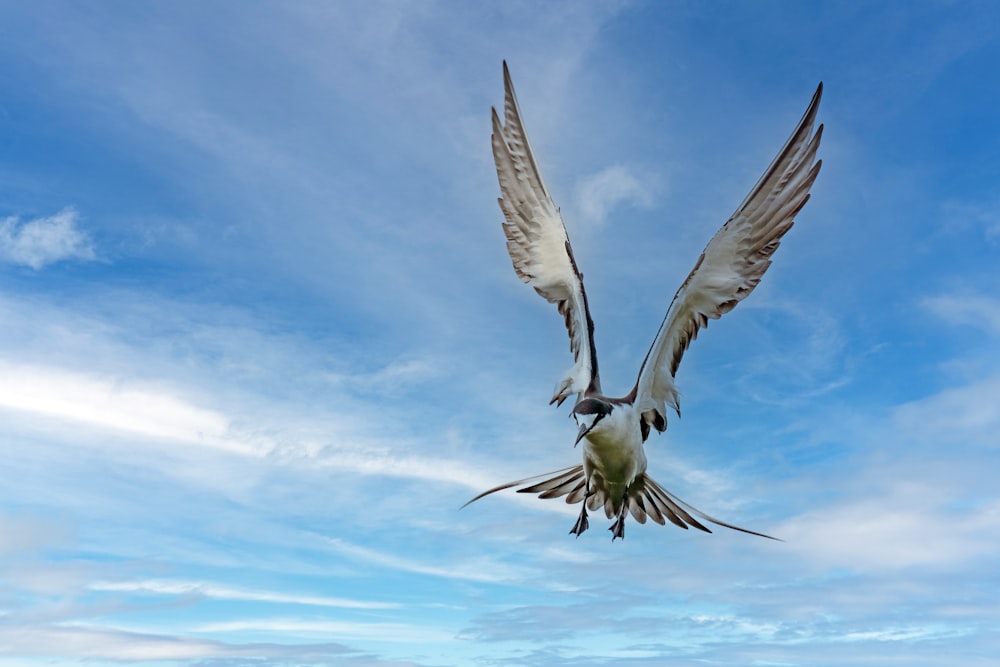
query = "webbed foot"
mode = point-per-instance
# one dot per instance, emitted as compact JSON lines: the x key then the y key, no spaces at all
{"x":618,"y":528}
{"x":581,"y":522}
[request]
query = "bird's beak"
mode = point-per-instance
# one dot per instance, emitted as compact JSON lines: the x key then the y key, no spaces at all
{"x":584,"y":430}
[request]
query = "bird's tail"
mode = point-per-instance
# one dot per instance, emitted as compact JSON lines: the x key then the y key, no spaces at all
{"x":646,"y":498}
{"x":563,"y":481}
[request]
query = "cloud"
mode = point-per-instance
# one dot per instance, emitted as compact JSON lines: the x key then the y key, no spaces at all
{"x":972,"y":310}
{"x":598,"y":194}
{"x":957,"y":416}
{"x":383,"y":632}
{"x":84,"y":641}
{"x":898,"y":529}
{"x":482,"y":570}
{"x":209,"y":590}
{"x":26,"y":534}
{"x":108,"y":403}
{"x":958,"y":216}
{"x":43,"y":241}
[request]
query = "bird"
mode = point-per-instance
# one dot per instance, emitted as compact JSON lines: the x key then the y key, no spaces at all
{"x":613,"y":431}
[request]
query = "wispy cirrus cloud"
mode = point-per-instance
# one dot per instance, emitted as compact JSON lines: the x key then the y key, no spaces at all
{"x":220,"y":592}
{"x":42,"y":241}
{"x":96,"y":642}
{"x":890,"y":531}
{"x":106,"y":402}
{"x":385,"y":632}
{"x":976,"y":310}
{"x":482,"y":570}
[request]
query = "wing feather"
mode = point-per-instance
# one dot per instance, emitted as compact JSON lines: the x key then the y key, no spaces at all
{"x":538,"y":244}
{"x":732,"y":264}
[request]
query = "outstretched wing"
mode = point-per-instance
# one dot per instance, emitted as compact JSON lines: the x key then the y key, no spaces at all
{"x":538,"y":244}
{"x":731,"y":265}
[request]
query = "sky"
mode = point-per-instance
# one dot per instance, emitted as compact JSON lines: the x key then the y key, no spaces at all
{"x":261,"y":337}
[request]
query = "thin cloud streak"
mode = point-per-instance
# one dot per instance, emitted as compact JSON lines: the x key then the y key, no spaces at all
{"x":485,"y":569}
{"x":383,"y":632}
{"x":209,"y":590}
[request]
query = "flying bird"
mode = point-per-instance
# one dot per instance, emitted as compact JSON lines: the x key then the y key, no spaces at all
{"x":612,"y":431}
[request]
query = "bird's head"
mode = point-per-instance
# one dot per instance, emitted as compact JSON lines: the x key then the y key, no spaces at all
{"x":588,"y":413}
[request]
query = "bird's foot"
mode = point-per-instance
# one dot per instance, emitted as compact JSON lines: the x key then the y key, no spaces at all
{"x":581,"y":522}
{"x":618,"y":528}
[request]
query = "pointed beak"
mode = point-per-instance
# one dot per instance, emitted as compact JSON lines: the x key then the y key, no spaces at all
{"x":584,"y":430}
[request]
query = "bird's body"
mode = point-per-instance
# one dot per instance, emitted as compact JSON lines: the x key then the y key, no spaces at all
{"x":614,"y":454}
{"x":613,"y":431}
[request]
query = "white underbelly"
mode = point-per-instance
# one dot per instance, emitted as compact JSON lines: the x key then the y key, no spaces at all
{"x":616,"y":455}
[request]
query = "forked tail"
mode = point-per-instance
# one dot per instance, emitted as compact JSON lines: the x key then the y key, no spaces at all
{"x":646,"y":498}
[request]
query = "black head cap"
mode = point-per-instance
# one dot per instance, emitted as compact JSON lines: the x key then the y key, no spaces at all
{"x":591,"y":406}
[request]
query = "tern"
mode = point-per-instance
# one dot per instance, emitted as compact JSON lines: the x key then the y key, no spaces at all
{"x":612,"y":431}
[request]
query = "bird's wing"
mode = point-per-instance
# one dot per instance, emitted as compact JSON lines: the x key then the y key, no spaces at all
{"x":538,"y":244}
{"x":731,"y":265}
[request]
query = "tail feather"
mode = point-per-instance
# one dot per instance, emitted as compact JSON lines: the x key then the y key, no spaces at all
{"x":559,"y":473}
{"x":650,"y":509}
{"x":594,"y":501}
{"x":677,"y":503}
{"x":636,"y":508}
{"x":674,"y":510}
{"x":646,"y":499}
{"x":576,"y":495}
{"x":664,"y":506}
{"x":557,"y":486}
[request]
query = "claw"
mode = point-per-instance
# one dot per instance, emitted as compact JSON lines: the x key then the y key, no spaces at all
{"x":581,"y":524}
{"x":618,"y":528}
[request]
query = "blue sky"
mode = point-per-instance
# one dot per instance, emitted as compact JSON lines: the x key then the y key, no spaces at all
{"x":262,"y":338}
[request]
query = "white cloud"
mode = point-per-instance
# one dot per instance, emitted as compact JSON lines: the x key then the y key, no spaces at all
{"x":959,"y":216}
{"x":215,"y":591}
{"x":21,"y":534}
{"x":905,"y":527}
{"x":95,"y":642}
{"x":598,"y":194}
{"x":972,"y":310}
{"x":383,"y":632}
{"x":43,"y":241}
{"x":57,"y":397}
{"x":957,"y":416}
{"x":104,"y":643}
{"x":109,"y":403}
{"x":486,"y":569}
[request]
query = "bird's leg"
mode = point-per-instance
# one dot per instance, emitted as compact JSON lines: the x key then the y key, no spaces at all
{"x":581,"y":522}
{"x":618,"y":527}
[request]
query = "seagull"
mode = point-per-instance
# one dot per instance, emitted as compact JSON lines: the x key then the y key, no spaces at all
{"x":612,"y":431}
